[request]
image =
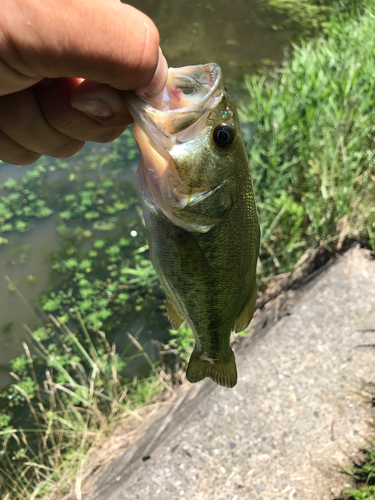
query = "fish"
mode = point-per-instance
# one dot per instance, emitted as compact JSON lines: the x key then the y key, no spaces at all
{"x":199,"y":209}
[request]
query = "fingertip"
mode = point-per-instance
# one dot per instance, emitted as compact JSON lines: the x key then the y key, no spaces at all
{"x":158,"y":81}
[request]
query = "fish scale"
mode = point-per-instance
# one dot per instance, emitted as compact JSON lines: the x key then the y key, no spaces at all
{"x":204,"y":245}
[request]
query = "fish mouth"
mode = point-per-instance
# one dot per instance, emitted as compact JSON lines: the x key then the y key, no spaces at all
{"x":175,"y":119}
{"x":190,"y":93}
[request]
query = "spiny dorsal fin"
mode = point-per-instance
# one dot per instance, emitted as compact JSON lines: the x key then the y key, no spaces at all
{"x":174,"y":317}
{"x":247,"y":312}
{"x":223,"y":372}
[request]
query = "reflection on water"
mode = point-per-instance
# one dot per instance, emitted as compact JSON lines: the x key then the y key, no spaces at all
{"x":235,"y":35}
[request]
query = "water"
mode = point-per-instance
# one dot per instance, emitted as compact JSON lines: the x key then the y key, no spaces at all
{"x":239,"y":37}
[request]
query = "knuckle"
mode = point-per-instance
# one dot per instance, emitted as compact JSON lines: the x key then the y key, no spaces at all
{"x":70,"y":148}
{"x":62,"y":122}
{"x":19,"y":157}
{"x":14,"y":153}
{"x":29,"y":159}
{"x":109,"y":135}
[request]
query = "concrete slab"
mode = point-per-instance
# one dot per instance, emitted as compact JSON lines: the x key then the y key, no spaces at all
{"x":295,"y":414}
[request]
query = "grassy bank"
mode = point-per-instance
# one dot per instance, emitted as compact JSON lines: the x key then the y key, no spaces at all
{"x":311,"y":149}
{"x":313,"y":158}
{"x":310,"y":17}
{"x":67,"y":398}
{"x":363,"y":475}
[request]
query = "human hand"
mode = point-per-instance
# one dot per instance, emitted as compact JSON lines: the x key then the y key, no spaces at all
{"x":63,"y":66}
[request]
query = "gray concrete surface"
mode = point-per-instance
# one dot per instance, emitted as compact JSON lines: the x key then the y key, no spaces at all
{"x":295,"y":414}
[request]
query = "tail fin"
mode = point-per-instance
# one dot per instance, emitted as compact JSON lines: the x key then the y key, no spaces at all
{"x":223,"y":372}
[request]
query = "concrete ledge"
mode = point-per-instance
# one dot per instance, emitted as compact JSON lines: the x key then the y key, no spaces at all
{"x":295,"y":414}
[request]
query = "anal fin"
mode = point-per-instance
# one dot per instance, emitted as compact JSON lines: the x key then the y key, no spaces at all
{"x":174,"y":317}
{"x":221,"y":371}
{"x":247,"y":312}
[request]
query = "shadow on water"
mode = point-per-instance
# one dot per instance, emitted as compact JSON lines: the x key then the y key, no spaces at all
{"x":240,"y":38}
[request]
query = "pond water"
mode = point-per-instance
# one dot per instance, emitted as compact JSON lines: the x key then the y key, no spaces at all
{"x":240,"y":38}
{"x":238,"y":35}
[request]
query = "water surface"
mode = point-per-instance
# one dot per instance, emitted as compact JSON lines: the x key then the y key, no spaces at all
{"x":237,"y":35}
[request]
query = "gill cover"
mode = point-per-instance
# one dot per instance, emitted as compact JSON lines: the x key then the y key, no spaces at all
{"x":174,"y":125}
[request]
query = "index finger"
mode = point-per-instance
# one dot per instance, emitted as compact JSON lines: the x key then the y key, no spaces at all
{"x":108,"y":42}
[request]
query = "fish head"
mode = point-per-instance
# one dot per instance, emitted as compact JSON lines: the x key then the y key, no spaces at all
{"x":189,"y":137}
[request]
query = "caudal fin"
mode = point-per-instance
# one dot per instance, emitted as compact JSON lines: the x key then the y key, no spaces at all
{"x":223,"y":372}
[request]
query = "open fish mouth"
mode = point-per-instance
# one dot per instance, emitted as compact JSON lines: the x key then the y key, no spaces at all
{"x":190,"y":93}
{"x":169,"y":130}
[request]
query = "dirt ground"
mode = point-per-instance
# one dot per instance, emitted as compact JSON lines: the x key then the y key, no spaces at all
{"x":299,"y":412}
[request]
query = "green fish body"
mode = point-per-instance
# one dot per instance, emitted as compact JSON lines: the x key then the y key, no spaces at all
{"x":200,"y":213}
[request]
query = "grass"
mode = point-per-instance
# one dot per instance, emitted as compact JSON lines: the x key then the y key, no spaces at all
{"x":74,"y":398}
{"x":312,"y":151}
{"x":363,"y":475}
{"x":309,"y":17}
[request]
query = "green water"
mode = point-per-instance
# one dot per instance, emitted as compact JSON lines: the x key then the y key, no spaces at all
{"x":240,"y":38}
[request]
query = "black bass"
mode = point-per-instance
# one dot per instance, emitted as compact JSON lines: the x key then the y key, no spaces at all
{"x":199,"y":208}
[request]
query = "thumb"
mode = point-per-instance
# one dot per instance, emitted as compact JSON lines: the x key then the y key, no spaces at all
{"x":103,"y":40}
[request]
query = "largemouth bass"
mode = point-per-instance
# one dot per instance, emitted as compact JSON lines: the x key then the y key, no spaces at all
{"x":199,"y":209}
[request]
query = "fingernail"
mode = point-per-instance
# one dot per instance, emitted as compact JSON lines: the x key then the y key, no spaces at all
{"x":95,"y":108}
{"x":159,"y":80}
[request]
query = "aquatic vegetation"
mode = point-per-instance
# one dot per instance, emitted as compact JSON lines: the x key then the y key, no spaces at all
{"x":20,"y":204}
{"x":65,"y":398}
{"x":113,"y":281}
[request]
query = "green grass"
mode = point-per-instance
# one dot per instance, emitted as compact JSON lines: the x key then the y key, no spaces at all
{"x":363,"y":475}
{"x":313,"y":162}
{"x":309,"y":17}
{"x":312,"y":152}
{"x":65,"y":400}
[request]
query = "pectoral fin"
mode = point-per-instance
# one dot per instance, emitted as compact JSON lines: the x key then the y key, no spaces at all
{"x":247,"y":312}
{"x":174,"y":317}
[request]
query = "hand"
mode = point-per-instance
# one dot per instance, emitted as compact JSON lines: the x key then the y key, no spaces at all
{"x":63,"y":65}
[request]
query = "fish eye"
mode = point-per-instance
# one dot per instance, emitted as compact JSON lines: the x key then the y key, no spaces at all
{"x":223,"y":136}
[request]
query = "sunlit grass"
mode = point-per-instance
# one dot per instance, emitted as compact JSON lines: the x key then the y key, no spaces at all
{"x":312,"y":158}
{"x":66,"y":409}
{"x":312,"y":152}
{"x":309,"y":17}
